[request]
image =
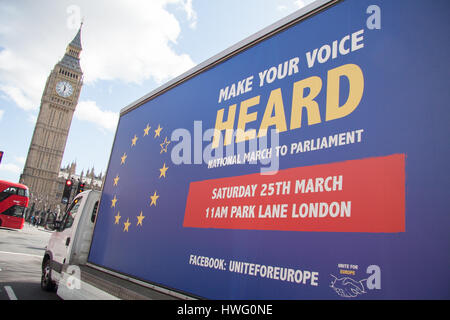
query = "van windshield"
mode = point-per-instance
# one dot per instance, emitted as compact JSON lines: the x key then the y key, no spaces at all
{"x":71,"y":213}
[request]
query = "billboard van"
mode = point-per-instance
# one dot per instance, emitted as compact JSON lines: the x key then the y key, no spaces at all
{"x":306,"y":162}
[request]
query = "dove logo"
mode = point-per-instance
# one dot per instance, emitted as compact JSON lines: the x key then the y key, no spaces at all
{"x":347,"y":287}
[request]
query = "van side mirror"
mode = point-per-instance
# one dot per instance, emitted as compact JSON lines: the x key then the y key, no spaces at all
{"x":49,"y":226}
{"x":53,"y":225}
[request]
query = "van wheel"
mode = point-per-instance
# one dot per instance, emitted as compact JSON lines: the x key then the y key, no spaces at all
{"x":47,"y":284}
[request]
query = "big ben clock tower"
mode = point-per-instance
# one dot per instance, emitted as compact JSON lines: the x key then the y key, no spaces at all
{"x":59,"y":99}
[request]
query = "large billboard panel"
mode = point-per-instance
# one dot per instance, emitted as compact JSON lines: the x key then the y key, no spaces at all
{"x":310,"y":165}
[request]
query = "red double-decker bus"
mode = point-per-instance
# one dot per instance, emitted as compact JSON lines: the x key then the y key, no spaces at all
{"x":14,"y":199}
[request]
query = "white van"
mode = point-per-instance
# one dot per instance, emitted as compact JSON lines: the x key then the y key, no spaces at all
{"x":69,"y":244}
{"x":65,"y":268}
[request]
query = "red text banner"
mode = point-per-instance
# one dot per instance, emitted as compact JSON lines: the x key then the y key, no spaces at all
{"x":366,"y":195}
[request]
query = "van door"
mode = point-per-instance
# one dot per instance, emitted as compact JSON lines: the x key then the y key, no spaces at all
{"x":63,"y":238}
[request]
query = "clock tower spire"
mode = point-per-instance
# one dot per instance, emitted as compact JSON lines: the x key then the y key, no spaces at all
{"x":58,"y":103}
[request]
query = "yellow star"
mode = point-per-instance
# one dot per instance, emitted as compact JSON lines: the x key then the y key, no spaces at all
{"x":140,"y":218}
{"x":146,"y":130}
{"x":123,"y":158}
{"x":163,"y":170}
{"x":117,"y":218}
{"x":134,"y":140}
{"x":116,"y":180}
{"x":164,"y":145}
{"x":154,"y":197}
{"x":126,"y":225}
{"x":113,"y":202}
{"x":158,"y":131}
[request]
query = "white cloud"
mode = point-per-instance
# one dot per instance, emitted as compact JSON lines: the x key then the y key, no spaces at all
{"x":89,"y":111}
{"x":190,"y":13}
{"x":14,"y":167}
{"x":2,"y":112}
{"x":20,"y":160}
{"x":17,"y":95}
{"x":22,"y":79}
{"x":32,"y":118}
{"x":129,"y":41}
{"x":11,"y":168}
{"x":132,"y":41}
{"x":302,"y":3}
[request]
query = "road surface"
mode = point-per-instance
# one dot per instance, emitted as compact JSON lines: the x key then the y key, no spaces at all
{"x":21,"y":253}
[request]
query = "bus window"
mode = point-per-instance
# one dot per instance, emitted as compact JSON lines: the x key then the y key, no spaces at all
{"x":14,"y":198}
{"x":11,"y":190}
{"x":14,"y":211}
{"x":3,"y":196}
{"x":8,"y":192}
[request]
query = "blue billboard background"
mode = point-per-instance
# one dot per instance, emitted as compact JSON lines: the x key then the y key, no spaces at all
{"x":404,"y":110}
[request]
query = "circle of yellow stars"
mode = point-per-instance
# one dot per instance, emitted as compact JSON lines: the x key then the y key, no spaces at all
{"x":162,"y":174}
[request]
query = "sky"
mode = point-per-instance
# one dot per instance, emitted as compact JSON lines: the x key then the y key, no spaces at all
{"x":130,"y":48}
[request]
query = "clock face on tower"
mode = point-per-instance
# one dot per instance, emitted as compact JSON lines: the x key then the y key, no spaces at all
{"x":64,"y":89}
